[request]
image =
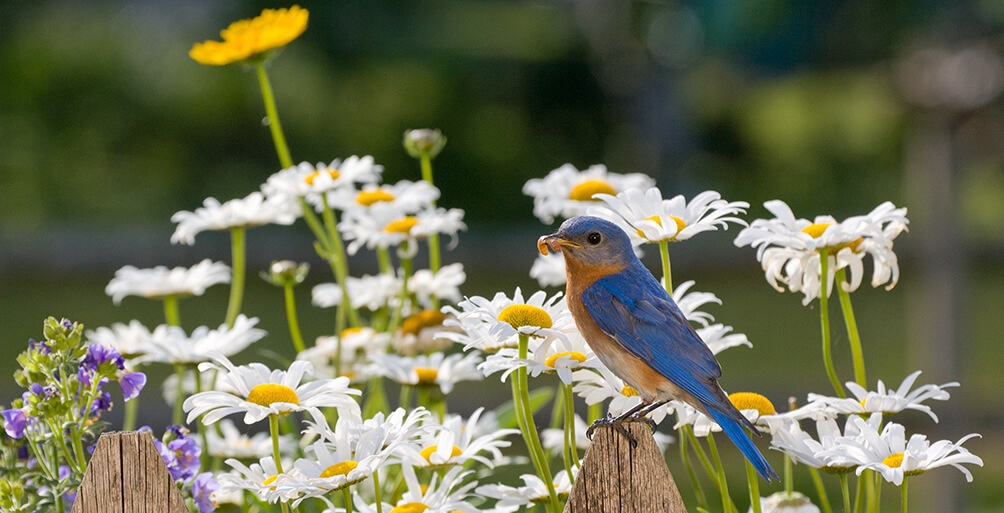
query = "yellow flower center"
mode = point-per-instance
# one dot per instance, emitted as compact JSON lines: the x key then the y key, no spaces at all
{"x":340,"y":469}
{"x":248,"y":38}
{"x":348,"y":332}
{"x":425,"y":319}
{"x":574,"y":355}
{"x":752,"y":401}
{"x":427,"y":452}
{"x":270,"y":480}
{"x":426,"y":375}
{"x":680,"y":224}
{"x":521,"y":315}
{"x":267,"y":394}
{"x":403,"y":225}
{"x":349,"y":374}
{"x":893,"y":460}
{"x":629,"y":391}
{"x":410,"y":507}
{"x":585,"y":190}
{"x":367,"y":198}
{"x":333,"y":173}
{"x":816,"y":230}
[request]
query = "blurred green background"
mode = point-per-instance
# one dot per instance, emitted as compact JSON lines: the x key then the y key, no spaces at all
{"x":107,"y":128}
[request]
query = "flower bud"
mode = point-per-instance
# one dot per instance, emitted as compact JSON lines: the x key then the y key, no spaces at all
{"x":286,"y":272}
{"x":424,"y":141}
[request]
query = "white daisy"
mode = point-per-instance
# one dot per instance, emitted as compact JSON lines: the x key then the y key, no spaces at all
{"x":356,"y":344}
{"x":646,"y":217}
{"x":454,"y":442}
{"x":230,"y":442}
{"x":422,"y":332}
{"x":373,"y":228}
{"x":262,"y":392}
{"x":337,"y":461}
{"x":567,"y":192}
{"x":823,"y":453}
{"x":493,"y":324}
{"x":309,"y":180}
{"x":253,"y":210}
{"x":444,"y":284}
{"x":160,"y":282}
{"x":372,"y":292}
{"x":788,"y":248}
{"x":690,"y":303}
{"x":445,"y":493}
{"x":784,"y":502}
{"x":436,"y":369}
{"x":533,"y":491}
{"x":561,"y":358}
{"x":258,"y":478}
{"x":400,"y":426}
{"x":169,"y":344}
{"x":887,"y":401}
{"x":208,"y":381}
{"x":891,"y":454}
{"x":408,"y":197}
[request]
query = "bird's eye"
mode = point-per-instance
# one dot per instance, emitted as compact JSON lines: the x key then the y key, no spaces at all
{"x":594,"y":238}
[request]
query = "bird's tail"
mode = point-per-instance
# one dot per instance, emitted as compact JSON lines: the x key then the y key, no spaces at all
{"x":738,"y":435}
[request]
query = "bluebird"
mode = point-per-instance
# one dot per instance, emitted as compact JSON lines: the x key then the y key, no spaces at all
{"x":638,"y":331}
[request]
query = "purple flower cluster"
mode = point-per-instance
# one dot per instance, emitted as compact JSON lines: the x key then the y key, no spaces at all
{"x":97,"y":356}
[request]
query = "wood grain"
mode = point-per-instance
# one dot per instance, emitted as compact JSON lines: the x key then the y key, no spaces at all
{"x":127,"y":475}
{"x":618,"y":478}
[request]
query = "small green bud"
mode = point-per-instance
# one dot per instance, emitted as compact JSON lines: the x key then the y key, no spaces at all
{"x":286,"y":272}
{"x":424,"y":141}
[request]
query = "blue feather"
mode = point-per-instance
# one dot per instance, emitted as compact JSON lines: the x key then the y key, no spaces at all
{"x":738,"y":435}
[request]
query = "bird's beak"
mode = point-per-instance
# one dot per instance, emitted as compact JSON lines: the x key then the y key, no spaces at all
{"x":554,"y":242}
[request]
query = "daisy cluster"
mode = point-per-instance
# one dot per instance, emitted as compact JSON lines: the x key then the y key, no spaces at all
{"x":314,"y":425}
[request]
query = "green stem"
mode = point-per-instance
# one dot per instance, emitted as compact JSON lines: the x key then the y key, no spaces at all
{"x":789,"y":478}
{"x":702,"y":456}
{"x":702,"y":500}
{"x":521,"y":399}
{"x":129,"y":415}
{"x":203,"y":429}
{"x":347,"y":497}
{"x":845,"y":492}
{"x":338,"y":258}
{"x":754,"y":485}
{"x":824,"y":500}
{"x":273,"y":429}
{"x":723,"y":484}
{"x":376,"y":398}
{"x":278,"y":139}
{"x":571,"y":453}
{"x":878,"y":492}
{"x":292,"y":319}
{"x":239,"y":269}
{"x":406,"y":266}
{"x":377,"y":491}
{"x":903,"y":495}
{"x":383,"y":260}
{"x":172,"y":316}
{"x":857,"y":354}
{"x":595,"y":411}
{"x":667,"y":271}
{"x":859,"y":493}
{"x":179,"y":371}
{"x":824,"y":320}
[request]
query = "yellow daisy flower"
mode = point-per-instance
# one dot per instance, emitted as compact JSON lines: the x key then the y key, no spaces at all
{"x":247,"y":39}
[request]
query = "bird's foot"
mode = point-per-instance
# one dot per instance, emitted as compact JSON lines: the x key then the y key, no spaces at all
{"x":618,"y":424}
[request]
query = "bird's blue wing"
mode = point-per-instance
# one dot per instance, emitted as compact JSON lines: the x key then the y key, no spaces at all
{"x":634,"y":309}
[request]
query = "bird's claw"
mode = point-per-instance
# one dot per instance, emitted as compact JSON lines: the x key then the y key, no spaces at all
{"x":618,"y":424}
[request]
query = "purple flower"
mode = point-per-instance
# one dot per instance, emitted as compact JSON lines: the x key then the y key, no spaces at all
{"x":186,"y":457}
{"x":202,"y":488}
{"x":102,"y":403}
{"x":41,"y":347}
{"x":15,"y":421}
{"x":132,"y":383}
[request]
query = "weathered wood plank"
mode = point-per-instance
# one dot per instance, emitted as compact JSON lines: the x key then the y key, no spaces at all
{"x":127,"y":475}
{"x":618,"y":478}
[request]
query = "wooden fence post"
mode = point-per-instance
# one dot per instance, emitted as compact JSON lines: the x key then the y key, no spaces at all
{"x":127,"y":475}
{"x":618,"y":478}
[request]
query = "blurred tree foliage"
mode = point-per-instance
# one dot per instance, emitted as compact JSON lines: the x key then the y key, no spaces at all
{"x":104,"y":119}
